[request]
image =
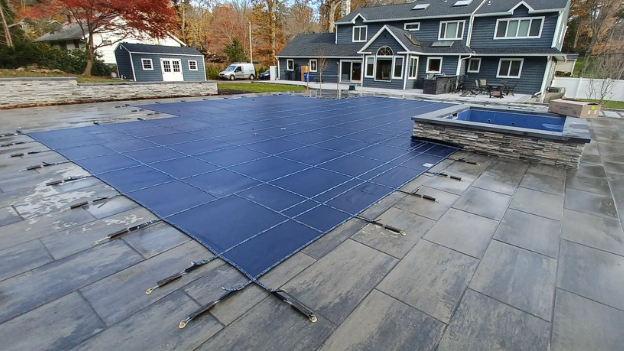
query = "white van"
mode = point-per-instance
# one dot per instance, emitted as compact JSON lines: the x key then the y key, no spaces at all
{"x":239,"y":70}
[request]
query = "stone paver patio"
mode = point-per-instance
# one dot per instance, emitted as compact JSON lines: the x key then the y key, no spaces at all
{"x":512,"y":257}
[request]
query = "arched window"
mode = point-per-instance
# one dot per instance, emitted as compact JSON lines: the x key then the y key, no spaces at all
{"x":384,"y":51}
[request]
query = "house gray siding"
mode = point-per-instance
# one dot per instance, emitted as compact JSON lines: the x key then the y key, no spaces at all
{"x":429,"y":29}
{"x":330,"y":74}
{"x":531,"y":76}
{"x":155,"y":75}
{"x":449,"y":67}
{"x":485,"y":27}
{"x":123,"y":63}
{"x":385,"y":39}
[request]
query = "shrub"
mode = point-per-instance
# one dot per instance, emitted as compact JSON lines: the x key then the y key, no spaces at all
{"x":213,"y":69}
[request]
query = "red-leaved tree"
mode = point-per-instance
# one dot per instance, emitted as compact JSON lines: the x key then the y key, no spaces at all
{"x":113,"y":19}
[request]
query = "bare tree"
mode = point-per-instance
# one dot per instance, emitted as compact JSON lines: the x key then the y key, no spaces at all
{"x":599,"y":12}
{"x":5,"y":26}
{"x":321,"y":65}
{"x":606,"y":70}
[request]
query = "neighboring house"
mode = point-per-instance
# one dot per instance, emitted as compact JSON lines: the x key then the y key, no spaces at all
{"x":156,"y":63}
{"x":70,"y":37}
{"x":397,"y":46}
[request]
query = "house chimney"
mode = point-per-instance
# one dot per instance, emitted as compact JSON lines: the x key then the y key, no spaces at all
{"x":345,"y":8}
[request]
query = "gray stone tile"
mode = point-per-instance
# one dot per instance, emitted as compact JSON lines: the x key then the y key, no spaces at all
{"x":28,"y":193}
{"x":155,"y":239}
{"x":611,"y":148}
{"x":464,"y":232}
{"x":402,"y":327}
{"x":591,"y":273}
{"x":530,"y":232}
{"x":467,"y":169}
{"x":591,"y":184}
{"x":59,"y":325}
{"x":581,"y":324}
{"x":21,"y":258}
{"x":502,"y":176}
{"x":431,"y":278}
{"x":591,"y":159}
{"x":441,"y":166}
{"x":118,"y":296}
{"x":337,"y":283}
{"x":416,"y":183}
{"x":538,"y":203}
{"x":553,"y":171}
{"x":111,"y":207}
{"x":8,"y":215}
{"x":34,"y":228}
{"x":450,"y":185}
{"x":39,"y":286}
{"x":428,"y":208}
{"x":597,"y":232}
{"x":156,"y":328}
{"x":613,"y":167}
{"x":590,"y":170}
{"x":542,"y":182}
{"x":518,"y":277}
{"x":615,"y":158}
{"x":383,"y":205}
{"x":595,"y":204}
{"x":271,"y":325}
{"x":392,"y":243}
{"x":331,"y":240}
{"x":483,"y":203}
{"x":77,"y":184}
{"x":78,"y":238}
{"x":482,"y":323}
{"x":287,"y":270}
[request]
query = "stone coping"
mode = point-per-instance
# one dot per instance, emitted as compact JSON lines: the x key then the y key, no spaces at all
{"x":574,"y":129}
{"x":117,"y":83}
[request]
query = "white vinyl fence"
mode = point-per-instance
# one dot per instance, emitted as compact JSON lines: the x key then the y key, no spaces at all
{"x":580,"y":88}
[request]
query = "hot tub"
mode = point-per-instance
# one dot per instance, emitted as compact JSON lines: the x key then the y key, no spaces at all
{"x":525,"y":135}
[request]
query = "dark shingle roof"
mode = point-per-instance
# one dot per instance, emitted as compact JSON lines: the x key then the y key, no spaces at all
{"x":314,"y":45}
{"x":439,"y":8}
{"x":159,"y":49}
{"x":67,"y":32}
{"x":458,"y":46}
{"x":517,"y":51}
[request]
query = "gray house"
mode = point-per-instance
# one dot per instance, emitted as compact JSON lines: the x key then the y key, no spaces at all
{"x":397,"y":46}
{"x":156,"y":63}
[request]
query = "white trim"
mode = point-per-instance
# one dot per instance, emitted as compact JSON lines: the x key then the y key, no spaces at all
{"x":293,"y":65}
{"x":433,"y":58}
{"x":424,"y":53}
{"x":278,"y":71}
{"x":143,"y":60}
{"x":391,"y":69}
{"x":394,"y":59}
{"x":308,"y":56}
{"x":351,"y":67}
{"x":162,"y":53}
{"x":420,"y":18}
{"x":522,"y":3}
{"x":546,"y":73}
{"x":519,"y":55}
{"x":132,"y":65}
{"x":559,"y":33}
{"x":405,"y":68}
{"x":196,"y":65}
{"x":471,"y":23}
{"x":360,"y":32}
{"x":455,"y":21}
{"x":410,"y":66}
{"x":411,"y":23}
{"x":336,"y":36}
{"x":543,"y":18}
{"x":315,"y":64}
{"x":478,"y":67}
{"x":366,"y":66}
{"x":385,"y":27}
{"x":355,"y":18}
{"x":509,"y":59}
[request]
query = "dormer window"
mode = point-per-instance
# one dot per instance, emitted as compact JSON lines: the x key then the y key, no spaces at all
{"x":359,"y":33}
{"x":462,"y":3}
{"x":420,"y":7}
{"x":451,"y":30}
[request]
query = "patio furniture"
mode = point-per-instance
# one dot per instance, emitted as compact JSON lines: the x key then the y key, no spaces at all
{"x":510,"y":89}
{"x":480,"y":86}
{"x":439,"y":85}
{"x":495,"y":90}
{"x":462,"y":84}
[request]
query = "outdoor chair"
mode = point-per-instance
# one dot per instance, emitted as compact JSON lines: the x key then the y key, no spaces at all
{"x":480,"y":86}
{"x":510,"y":88}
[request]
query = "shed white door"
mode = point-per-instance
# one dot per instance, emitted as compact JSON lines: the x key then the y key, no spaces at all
{"x":171,"y":70}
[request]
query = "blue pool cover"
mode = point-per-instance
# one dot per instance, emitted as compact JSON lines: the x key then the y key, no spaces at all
{"x":257,"y":179}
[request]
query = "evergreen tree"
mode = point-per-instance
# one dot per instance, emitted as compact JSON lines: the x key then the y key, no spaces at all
{"x":235,"y":51}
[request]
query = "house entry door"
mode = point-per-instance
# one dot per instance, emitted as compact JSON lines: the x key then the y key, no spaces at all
{"x":171,"y":70}
{"x":350,"y":71}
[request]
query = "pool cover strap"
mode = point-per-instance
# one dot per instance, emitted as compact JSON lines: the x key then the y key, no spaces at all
{"x":295,"y":304}
{"x":209,"y":306}
{"x":125,"y":231}
{"x":169,"y":279}
{"x":385,"y":226}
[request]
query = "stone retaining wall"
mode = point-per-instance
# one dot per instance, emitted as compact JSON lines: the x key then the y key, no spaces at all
{"x":22,"y":92}
{"x":551,"y":152}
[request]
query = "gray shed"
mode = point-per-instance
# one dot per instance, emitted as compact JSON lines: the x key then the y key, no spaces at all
{"x":156,"y":63}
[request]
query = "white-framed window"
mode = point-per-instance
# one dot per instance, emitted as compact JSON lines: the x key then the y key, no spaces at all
{"x":451,"y":30}
{"x":383,"y":64}
{"x":519,"y":28}
{"x":434,"y":65}
{"x":192,"y":65}
{"x":474,"y":65}
{"x":412,"y":26}
{"x":509,"y":68}
{"x":313,"y":65}
{"x":290,"y":65}
{"x":370,"y":67}
{"x":413,"y":68}
{"x":147,"y":64}
{"x":359,"y":33}
{"x":398,"y":68}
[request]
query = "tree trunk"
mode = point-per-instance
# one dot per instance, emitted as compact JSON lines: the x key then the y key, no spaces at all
{"x":5,"y":27}
{"x":90,"y":56}
{"x":577,"y":34}
{"x":331,"y":24}
{"x":588,"y":54}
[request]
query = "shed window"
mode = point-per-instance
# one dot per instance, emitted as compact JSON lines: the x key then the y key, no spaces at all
{"x":193,"y":65}
{"x":290,"y":65}
{"x":147,"y":64}
{"x":176,"y":65}
{"x":509,"y":68}
{"x":434,"y":65}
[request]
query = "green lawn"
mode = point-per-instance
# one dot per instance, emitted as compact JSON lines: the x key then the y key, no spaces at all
{"x":260,"y":87}
{"x":610,"y":104}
